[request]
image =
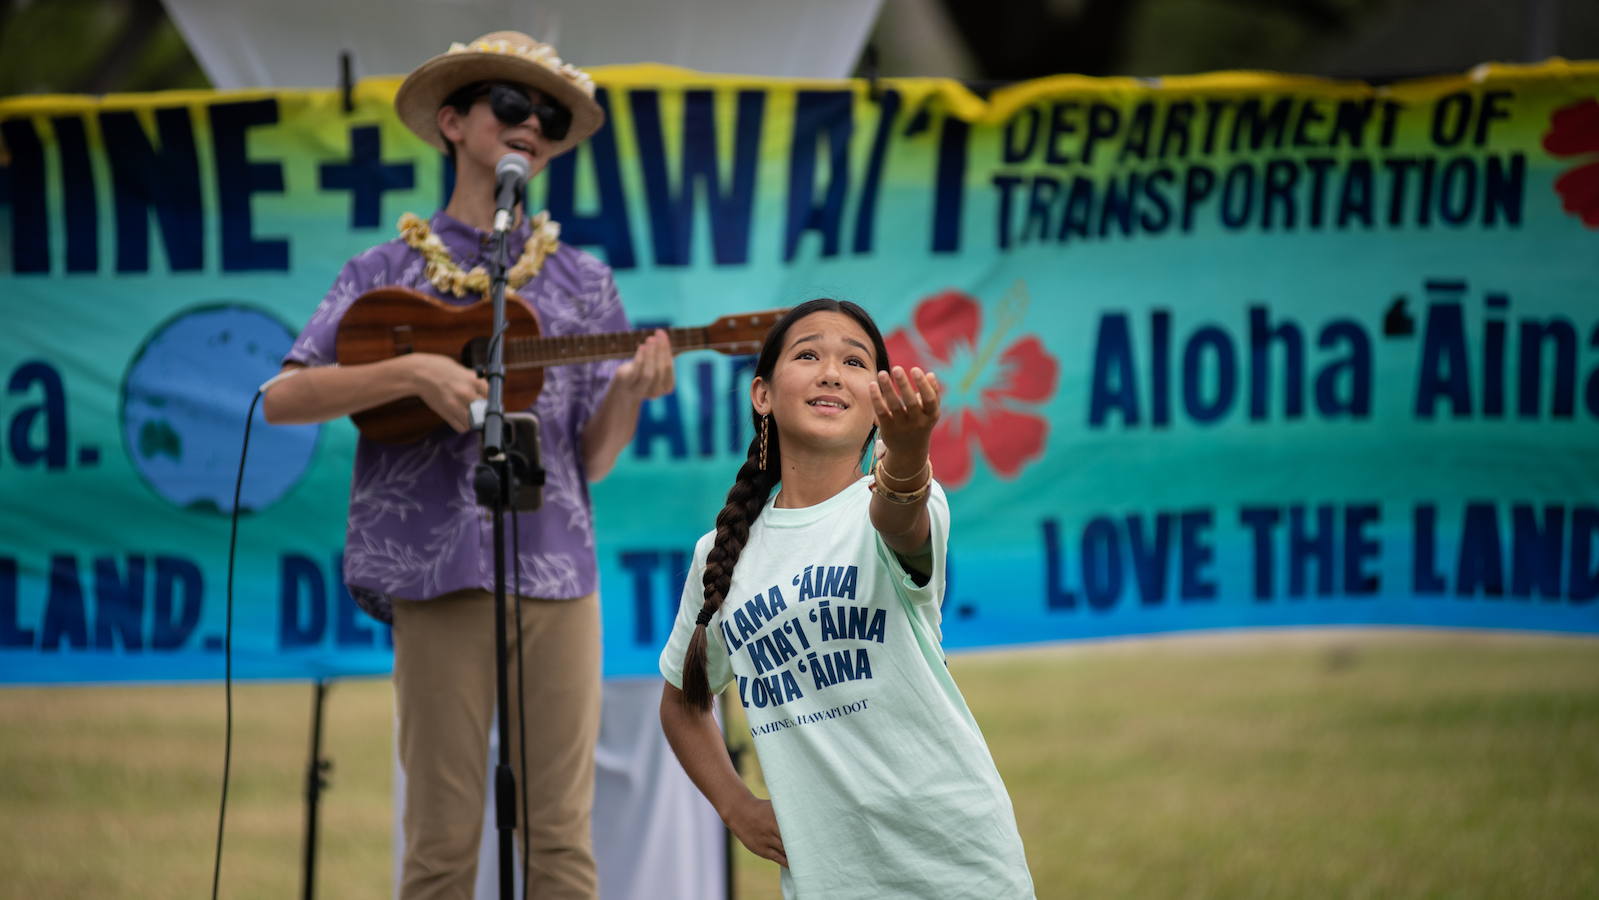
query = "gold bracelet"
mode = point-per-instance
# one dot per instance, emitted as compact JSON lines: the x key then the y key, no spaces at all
{"x":899,"y":497}
{"x":926,"y":467}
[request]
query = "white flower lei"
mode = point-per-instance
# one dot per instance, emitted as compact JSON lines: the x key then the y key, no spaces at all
{"x":448,"y":277}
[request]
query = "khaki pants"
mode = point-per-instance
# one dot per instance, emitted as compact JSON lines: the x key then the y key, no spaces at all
{"x":444,"y":693}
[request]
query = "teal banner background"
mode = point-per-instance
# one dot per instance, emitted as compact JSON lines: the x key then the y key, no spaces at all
{"x":1229,"y":351}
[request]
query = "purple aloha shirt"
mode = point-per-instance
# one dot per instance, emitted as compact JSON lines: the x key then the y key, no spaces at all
{"x":415,"y":529}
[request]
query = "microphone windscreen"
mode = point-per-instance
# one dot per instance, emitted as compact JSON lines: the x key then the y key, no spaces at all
{"x":513,"y":165}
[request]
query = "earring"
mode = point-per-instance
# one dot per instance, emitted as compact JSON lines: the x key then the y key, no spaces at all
{"x":763,"y":442}
{"x":872,"y":439}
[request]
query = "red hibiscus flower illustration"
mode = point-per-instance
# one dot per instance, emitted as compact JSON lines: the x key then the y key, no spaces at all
{"x":989,"y":394}
{"x":1574,"y":130}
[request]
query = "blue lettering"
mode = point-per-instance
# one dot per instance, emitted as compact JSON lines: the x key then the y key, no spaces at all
{"x":296,"y":571}
{"x":745,"y":629}
{"x":1115,"y":384}
{"x":1261,"y":520}
{"x":238,"y":178}
{"x":817,"y":113}
{"x":829,"y":629}
{"x":1207,"y":410}
{"x":1357,"y":401}
{"x":733,"y":643}
{"x":667,"y":423}
{"x":1445,"y":372}
{"x":608,"y":226}
{"x":12,"y":635}
{"x":815,"y":668}
{"x":949,"y":185}
{"x":1304,"y":547}
{"x":758,"y":612}
{"x":794,"y":626}
{"x":641,"y":564}
{"x":866,"y":214}
{"x":782,"y":651}
{"x":857,"y":621}
{"x":774,"y":602}
{"x":835,"y":578}
{"x":30,"y":226}
{"x":1196,"y":555}
{"x":1480,"y":564}
{"x":774,"y":688}
{"x":366,"y":176}
{"x":168,"y":179}
{"x":1151,"y":556}
{"x":847,"y":587}
{"x":878,"y":626}
{"x":78,"y":204}
{"x":672,"y":216}
{"x":1261,"y":336}
{"x":1534,"y":334}
{"x":1055,"y":596}
{"x":53,"y":407}
{"x":1424,"y":575}
{"x":119,"y":604}
{"x":844,"y":664}
{"x":1582,"y":583}
{"x":64,"y":614}
{"x":1102,"y":563}
{"x":759,"y":651}
{"x":791,"y":688}
{"x":1358,"y":548}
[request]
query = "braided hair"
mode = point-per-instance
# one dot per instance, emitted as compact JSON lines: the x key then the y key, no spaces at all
{"x":750,"y":491}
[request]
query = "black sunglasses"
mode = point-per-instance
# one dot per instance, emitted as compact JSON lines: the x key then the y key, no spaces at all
{"x":512,"y":105}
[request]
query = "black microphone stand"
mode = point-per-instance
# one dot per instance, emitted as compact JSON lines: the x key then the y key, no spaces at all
{"x":493,"y":482}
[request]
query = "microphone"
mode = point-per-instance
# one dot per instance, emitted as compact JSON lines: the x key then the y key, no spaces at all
{"x":510,"y":174}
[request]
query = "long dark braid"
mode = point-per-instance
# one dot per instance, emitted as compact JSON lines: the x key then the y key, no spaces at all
{"x":749,"y":494}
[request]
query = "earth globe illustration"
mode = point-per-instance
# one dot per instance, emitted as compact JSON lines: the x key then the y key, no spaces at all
{"x":184,"y":401}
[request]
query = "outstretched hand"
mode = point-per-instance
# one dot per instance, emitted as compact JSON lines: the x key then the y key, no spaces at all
{"x":907,"y":407}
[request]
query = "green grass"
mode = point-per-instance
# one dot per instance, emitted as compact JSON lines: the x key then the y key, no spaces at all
{"x":1343,"y":764}
{"x":112,"y":792}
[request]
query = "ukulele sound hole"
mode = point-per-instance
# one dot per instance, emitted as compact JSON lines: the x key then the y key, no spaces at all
{"x":475,"y":355}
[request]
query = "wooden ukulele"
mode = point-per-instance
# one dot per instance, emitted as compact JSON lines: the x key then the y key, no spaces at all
{"x":392,"y":321}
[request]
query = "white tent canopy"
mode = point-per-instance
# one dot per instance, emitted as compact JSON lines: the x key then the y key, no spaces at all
{"x":296,"y":43}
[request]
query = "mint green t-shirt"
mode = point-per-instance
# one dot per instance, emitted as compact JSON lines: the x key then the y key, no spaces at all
{"x":881,"y":781}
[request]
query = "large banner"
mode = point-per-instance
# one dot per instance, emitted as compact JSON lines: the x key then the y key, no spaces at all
{"x":1223,"y":351}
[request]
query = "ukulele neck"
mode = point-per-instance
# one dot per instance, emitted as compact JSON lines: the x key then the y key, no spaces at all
{"x":534,"y":352}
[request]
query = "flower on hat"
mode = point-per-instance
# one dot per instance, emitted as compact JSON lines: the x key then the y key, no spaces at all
{"x":543,"y":54}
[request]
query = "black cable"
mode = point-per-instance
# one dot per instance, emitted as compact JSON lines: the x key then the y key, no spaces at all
{"x":227,"y":646}
{"x":521,"y":687}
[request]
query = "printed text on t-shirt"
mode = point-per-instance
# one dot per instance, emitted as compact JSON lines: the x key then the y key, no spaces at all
{"x":768,"y":636}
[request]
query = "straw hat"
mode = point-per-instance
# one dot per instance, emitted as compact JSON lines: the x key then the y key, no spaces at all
{"x":499,"y":56}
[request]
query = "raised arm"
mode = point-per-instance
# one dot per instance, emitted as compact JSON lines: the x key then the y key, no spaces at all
{"x":907,"y":407}
{"x":321,"y":393}
{"x":699,"y":747}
